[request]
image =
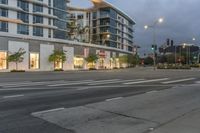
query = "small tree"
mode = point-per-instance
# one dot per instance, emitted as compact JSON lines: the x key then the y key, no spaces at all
{"x":123,"y":59}
{"x":57,"y":57}
{"x":133,"y":60}
{"x":92,"y":58}
{"x":17,"y":57}
{"x":148,"y":61}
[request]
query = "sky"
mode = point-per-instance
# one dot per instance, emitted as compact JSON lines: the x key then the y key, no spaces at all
{"x":181,"y":19}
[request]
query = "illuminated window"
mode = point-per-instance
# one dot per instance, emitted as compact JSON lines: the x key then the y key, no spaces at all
{"x":78,"y":62}
{"x":3,"y":62}
{"x":58,"y":65}
{"x":34,"y":61}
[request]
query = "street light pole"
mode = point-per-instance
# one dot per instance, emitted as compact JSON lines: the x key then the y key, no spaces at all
{"x":160,"y":20}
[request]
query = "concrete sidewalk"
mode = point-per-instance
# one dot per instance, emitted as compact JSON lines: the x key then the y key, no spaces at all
{"x":175,"y":110}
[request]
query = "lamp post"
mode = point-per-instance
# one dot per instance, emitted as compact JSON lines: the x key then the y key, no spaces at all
{"x":160,"y":20}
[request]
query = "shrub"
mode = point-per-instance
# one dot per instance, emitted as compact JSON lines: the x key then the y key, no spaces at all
{"x":17,"y":71}
{"x":58,"y":70}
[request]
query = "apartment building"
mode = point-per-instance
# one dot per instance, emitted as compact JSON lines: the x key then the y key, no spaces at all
{"x":41,"y":26}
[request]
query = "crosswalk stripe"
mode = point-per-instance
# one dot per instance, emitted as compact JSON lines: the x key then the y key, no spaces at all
{"x":177,"y":81}
{"x":81,"y":82}
{"x":110,"y":82}
{"x":146,"y":81}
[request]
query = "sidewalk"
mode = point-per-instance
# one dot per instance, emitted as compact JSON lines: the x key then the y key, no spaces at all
{"x":190,"y":123}
{"x":175,"y":110}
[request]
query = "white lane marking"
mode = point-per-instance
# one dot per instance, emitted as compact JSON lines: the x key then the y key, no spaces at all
{"x":146,"y":81}
{"x":71,"y":83}
{"x":110,"y":82}
{"x":113,"y":99}
{"x":197,"y":82}
{"x":47,"y":111}
{"x":149,"y":92}
{"x":13,"y":96}
{"x":176,"y":81}
{"x":96,"y":87}
{"x":13,"y":83}
{"x":81,"y":82}
{"x":29,"y":84}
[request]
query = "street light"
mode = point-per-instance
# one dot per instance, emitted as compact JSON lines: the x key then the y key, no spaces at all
{"x":160,"y":20}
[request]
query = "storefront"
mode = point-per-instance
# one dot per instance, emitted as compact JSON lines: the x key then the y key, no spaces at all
{"x":3,"y":61}
{"x":79,"y":62}
{"x":34,"y":61}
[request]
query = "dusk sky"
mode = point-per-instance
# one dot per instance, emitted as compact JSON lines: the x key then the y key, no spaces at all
{"x":181,"y":19}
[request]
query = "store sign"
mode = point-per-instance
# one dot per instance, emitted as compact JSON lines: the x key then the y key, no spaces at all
{"x":102,"y":54}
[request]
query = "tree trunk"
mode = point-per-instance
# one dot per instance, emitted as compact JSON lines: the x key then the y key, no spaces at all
{"x":16,"y":65}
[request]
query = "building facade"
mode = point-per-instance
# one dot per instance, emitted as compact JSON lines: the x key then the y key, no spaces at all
{"x":41,"y":26}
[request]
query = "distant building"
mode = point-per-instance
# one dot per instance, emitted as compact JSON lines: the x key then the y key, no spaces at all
{"x":181,"y":48}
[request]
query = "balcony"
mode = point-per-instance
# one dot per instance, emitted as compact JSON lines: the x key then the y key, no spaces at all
{"x":5,"y":19}
{"x":10,"y":7}
{"x":37,"y":2}
{"x":45,"y":15}
{"x":44,"y":26}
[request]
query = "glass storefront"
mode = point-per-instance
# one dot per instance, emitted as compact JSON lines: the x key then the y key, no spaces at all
{"x":3,"y":62}
{"x":34,"y":60}
{"x":58,"y":65}
{"x":78,"y":62}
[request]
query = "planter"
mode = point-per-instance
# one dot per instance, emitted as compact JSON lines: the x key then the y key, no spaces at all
{"x":17,"y":71}
{"x":58,"y":70}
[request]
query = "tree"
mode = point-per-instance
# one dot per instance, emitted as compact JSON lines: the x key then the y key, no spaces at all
{"x":92,"y":58}
{"x":133,"y":60}
{"x":17,"y":57}
{"x":123,"y":59}
{"x":82,"y":31}
{"x":148,"y":61}
{"x":57,"y":57}
{"x":170,"y":59}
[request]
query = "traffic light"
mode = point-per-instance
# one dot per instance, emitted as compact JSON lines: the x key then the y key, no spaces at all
{"x":152,"y":48}
{"x":172,"y":42}
{"x":168,"y":42}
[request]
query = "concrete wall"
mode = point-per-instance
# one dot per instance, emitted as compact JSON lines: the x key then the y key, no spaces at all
{"x":69,"y":64}
{"x":45,"y":51}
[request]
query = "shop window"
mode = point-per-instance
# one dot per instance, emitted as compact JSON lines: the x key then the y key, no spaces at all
{"x":3,"y":61}
{"x":78,"y":62}
{"x":34,"y":61}
{"x":58,"y":65}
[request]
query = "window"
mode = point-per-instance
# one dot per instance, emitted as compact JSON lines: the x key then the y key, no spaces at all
{"x":37,"y":19}
{"x":22,"y":29}
{"x":3,"y":26}
{"x":78,"y":62}
{"x":49,"y":21}
{"x":3,"y":62}
{"x":58,"y":65}
{"x":4,"y":2}
{"x":37,"y":8}
{"x":3,"y":12}
{"x":23,"y":16}
{"x":49,"y":3}
{"x":23,"y":5}
{"x":34,"y":61}
{"x":49,"y":33}
{"x":38,"y":31}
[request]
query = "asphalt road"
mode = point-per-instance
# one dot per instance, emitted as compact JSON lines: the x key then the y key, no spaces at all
{"x":24,"y":93}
